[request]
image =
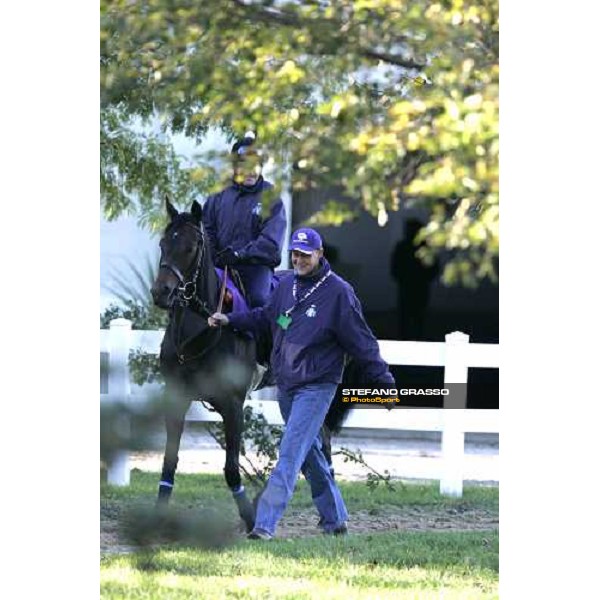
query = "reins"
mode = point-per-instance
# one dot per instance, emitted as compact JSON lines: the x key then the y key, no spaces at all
{"x":181,"y":357}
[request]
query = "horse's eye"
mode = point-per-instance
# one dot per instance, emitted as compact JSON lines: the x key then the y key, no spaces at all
{"x":189,"y":249}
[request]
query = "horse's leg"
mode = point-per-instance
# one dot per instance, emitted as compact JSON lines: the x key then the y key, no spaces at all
{"x":233,"y":422}
{"x":174,"y":420}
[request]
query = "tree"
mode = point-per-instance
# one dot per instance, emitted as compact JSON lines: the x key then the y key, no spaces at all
{"x":395,"y":102}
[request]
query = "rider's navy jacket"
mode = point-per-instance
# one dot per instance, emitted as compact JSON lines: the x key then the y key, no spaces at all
{"x":324,"y":327}
{"x":234,"y":217}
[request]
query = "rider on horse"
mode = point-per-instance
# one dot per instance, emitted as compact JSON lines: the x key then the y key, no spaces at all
{"x":240,"y":235}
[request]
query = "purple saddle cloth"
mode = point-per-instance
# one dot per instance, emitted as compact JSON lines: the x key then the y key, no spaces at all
{"x":239,"y":302}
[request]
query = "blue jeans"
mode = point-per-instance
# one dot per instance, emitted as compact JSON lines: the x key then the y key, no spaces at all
{"x":303,"y":411}
{"x":257,"y":283}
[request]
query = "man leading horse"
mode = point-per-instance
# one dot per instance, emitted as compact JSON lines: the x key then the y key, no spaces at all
{"x":315,"y":319}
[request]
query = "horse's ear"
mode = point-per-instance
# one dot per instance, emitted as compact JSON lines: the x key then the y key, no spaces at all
{"x":197,"y":211}
{"x":171,"y":210}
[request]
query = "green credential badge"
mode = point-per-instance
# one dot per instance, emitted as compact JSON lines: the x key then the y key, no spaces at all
{"x":283,"y":321}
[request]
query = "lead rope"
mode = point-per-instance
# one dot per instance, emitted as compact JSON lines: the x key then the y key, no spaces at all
{"x":223,"y":289}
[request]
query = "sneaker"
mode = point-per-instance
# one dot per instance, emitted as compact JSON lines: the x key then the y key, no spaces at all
{"x":259,"y":535}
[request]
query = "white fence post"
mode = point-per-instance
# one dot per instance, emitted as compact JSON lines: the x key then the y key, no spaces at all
{"x":453,"y":436}
{"x":118,"y":390}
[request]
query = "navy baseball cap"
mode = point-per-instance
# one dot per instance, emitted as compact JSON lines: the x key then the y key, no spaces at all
{"x":242,"y":147}
{"x":306,"y":240}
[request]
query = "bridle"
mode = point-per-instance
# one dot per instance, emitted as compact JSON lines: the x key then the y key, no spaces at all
{"x":186,"y":291}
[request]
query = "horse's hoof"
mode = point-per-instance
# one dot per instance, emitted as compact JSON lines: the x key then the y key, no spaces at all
{"x":249,"y":526}
{"x":162,"y":501}
{"x":246,"y":510}
{"x":247,"y":514}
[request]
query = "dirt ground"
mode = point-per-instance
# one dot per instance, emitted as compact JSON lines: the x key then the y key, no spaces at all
{"x":401,"y":460}
{"x":297,"y":524}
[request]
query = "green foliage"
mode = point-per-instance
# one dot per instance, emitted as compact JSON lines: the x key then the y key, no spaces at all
{"x":138,"y":168}
{"x":144,"y":367}
{"x":396,"y":103}
{"x":374,"y":478}
{"x":332,"y":213}
{"x":264,"y":440}
{"x":142,"y":316}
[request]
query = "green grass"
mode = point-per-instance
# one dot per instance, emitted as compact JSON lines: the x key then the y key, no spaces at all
{"x":386,"y":565}
{"x":399,"y":564}
{"x":210,"y":489}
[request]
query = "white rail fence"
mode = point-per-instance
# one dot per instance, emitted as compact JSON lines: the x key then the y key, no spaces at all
{"x":456,"y":355}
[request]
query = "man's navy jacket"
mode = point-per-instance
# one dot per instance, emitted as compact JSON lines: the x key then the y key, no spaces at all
{"x":233,"y":218}
{"x":324,"y":327}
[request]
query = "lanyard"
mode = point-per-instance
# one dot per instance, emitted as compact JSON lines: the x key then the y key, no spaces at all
{"x":311,"y":291}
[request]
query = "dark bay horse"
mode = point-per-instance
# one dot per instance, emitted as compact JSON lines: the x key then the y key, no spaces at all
{"x":199,"y":362}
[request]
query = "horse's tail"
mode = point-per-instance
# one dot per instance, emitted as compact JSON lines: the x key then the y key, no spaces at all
{"x":336,"y":415}
{"x":338,"y":411}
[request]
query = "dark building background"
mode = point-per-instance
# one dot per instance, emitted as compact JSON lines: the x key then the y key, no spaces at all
{"x":363,"y":253}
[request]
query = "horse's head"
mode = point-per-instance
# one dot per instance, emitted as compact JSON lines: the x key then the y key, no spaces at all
{"x":181,"y":256}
